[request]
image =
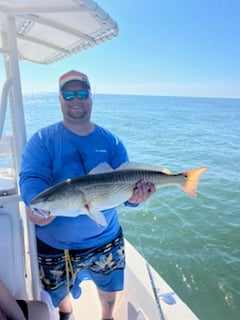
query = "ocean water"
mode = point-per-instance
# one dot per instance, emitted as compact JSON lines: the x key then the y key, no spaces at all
{"x":193,"y":242}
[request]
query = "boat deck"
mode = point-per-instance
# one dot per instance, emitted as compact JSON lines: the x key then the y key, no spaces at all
{"x":138,"y":301}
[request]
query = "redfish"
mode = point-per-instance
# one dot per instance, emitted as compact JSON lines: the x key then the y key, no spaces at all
{"x":96,"y":191}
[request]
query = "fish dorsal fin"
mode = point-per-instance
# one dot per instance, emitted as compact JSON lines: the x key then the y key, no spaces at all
{"x":102,"y":167}
{"x":142,"y":166}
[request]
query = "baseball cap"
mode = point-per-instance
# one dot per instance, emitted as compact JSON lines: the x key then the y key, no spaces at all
{"x":73,"y":75}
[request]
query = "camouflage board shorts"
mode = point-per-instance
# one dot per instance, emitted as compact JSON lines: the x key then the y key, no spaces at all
{"x":61,"y":271}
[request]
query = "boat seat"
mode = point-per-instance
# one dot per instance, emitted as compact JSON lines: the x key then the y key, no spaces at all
{"x":12,"y":270}
{"x":38,"y":310}
{"x":12,"y":255}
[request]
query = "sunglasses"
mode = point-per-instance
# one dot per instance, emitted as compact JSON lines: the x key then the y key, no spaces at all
{"x":82,"y":94}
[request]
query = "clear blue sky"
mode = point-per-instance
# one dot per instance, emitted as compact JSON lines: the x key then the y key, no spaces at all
{"x":164,"y":47}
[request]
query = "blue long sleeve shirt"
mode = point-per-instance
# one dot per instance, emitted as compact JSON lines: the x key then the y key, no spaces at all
{"x":54,"y":154}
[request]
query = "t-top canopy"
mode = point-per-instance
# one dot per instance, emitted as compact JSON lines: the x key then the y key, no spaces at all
{"x":48,"y":31}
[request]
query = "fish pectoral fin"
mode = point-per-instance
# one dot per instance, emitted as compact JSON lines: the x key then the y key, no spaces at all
{"x":192,"y":179}
{"x":97,"y":216}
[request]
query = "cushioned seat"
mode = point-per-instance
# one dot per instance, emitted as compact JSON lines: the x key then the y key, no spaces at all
{"x":38,"y":310}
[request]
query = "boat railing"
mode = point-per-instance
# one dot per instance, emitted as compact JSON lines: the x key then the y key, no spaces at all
{"x":19,"y":268}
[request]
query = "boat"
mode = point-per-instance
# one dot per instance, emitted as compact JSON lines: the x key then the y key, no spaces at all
{"x":30,"y":30}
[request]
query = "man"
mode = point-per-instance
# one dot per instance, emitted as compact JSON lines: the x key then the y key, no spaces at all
{"x":68,"y":149}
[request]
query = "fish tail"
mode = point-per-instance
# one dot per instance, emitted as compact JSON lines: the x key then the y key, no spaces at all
{"x":192,"y":179}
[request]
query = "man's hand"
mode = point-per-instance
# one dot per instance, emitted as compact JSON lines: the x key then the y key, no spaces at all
{"x":142,"y":191}
{"x":38,"y":219}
